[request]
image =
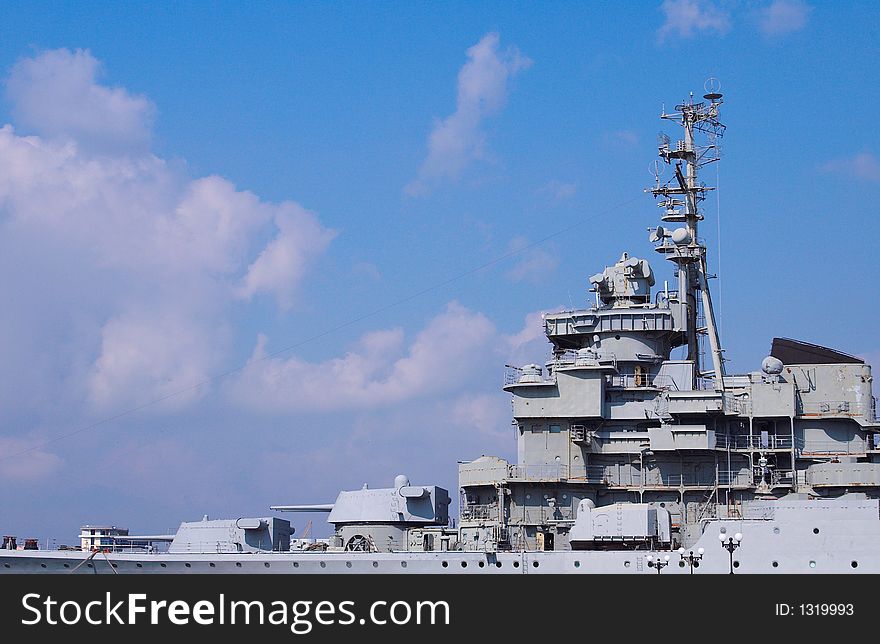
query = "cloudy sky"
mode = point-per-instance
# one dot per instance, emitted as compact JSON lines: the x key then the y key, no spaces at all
{"x":253,"y":256}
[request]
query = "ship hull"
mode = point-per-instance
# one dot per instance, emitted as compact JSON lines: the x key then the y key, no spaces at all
{"x":813,"y":545}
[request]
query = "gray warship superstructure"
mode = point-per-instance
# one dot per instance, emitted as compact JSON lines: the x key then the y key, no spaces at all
{"x":628,"y":459}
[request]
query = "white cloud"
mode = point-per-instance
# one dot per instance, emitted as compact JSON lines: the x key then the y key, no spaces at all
{"x":367,"y":269}
{"x":29,"y":464}
{"x":283,"y":263}
{"x":150,"y":355}
{"x":687,"y":18}
{"x":534,"y":264}
{"x":864,"y":166}
{"x":56,"y":94}
{"x":783,"y":16}
{"x":482,"y":91}
{"x":558,"y":190}
{"x":377,"y":372}
{"x":488,"y":414}
{"x":129,"y":264}
{"x":626,"y":138}
{"x":531,"y":334}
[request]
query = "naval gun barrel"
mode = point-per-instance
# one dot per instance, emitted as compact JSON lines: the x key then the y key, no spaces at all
{"x":315,"y":507}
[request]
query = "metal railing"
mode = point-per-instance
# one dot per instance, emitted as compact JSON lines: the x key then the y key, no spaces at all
{"x":775,"y":478}
{"x":754,"y":442}
{"x":737,"y":405}
{"x":511,"y":374}
{"x":206,"y":547}
{"x":831,"y":447}
{"x":471,"y":512}
{"x":655,"y":480}
{"x":537,"y":472}
{"x":591,"y":474}
{"x":632,"y":380}
{"x":570,"y":358}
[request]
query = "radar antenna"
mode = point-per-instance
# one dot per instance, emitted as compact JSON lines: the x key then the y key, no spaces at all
{"x":680,"y":198}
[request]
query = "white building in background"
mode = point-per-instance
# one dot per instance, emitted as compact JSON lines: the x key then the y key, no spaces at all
{"x":102,"y":537}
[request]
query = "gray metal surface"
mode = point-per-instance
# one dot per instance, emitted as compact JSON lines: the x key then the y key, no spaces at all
{"x":626,"y":452}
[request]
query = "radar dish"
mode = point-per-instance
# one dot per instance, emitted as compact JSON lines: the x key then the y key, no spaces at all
{"x":657,"y":234}
{"x":713,"y":89}
{"x":681,"y":236}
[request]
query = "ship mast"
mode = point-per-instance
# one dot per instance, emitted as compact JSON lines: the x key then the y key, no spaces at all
{"x":680,"y":200}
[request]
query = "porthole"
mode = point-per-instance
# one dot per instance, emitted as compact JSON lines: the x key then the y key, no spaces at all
{"x":164,"y":566}
{"x":617,"y":337}
{"x":516,"y":564}
{"x":812,"y":564}
{"x":266,"y":564}
{"x":68,"y":565}
{"x":662,"y":505}
{"x":577,"y":564}
{"x":91,"y":566}
{"x":237,"y":564}
{"x":775,"y":564}
{"x":296,"y":564}
{"x":42,"y":565}
{"x":403,"y":564}
{"x":681,"y":564}
{"x":464,"y":564}
{"x":535,"y":564}
{"x":114,"y":565}
{"x":348,"y":564}
{"x":497,"y":564}
{"x":696,"y":564}
{"x":375,"y":564}
{"x":855,"y":564}
{"x":736,"y":564}
{"x":445,"y":564}
{"x":481,"y":564}
{"x":626,"y":564}
{"x":188,"y":565}
{"x":775,"y":530}
{"x":815,"y":530}
{"x":323,"y":564}
{"x":7,"y":566}
{"x":211,"y":564}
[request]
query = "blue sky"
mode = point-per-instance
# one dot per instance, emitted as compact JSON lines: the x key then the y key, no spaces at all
{"x":188,"y":188}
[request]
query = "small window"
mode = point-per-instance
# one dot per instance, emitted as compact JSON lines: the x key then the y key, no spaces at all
{"x":555,"y":429}
{"x":536,"y":429}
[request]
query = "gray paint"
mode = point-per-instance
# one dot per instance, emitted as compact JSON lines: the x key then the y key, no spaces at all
{"x":622,"y":452}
